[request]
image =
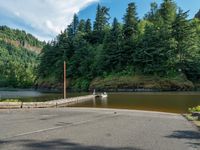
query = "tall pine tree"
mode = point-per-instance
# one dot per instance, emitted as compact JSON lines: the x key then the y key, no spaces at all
{"x":129,"y":34}
{"x":113,"y":54}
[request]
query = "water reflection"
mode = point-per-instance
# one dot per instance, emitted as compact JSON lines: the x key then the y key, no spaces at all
{"x":104,"y":101}
{"x":34,"y":96}
{"x":94,"y":102}
{"x":176,"y":102}
{"x":19,"y":94}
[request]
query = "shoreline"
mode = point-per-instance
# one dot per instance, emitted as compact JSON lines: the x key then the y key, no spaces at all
{"x":100,"y":109}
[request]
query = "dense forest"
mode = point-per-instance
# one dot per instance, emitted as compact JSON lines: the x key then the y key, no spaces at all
{"x":18,"y":58}
{"x":159,"y":51}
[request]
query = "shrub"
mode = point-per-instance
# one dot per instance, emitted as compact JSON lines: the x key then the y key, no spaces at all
{"x":194,"y":109}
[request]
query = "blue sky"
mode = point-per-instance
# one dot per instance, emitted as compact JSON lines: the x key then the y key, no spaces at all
{"x":46,"y":18}
{"x":118,"y":7}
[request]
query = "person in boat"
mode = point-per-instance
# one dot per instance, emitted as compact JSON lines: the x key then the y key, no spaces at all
{"x":94,"y":92}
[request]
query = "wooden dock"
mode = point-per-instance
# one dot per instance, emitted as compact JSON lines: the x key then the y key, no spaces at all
{"x":47,"y":104}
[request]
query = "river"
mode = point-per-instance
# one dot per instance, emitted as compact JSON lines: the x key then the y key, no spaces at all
{"x":175,"y":102}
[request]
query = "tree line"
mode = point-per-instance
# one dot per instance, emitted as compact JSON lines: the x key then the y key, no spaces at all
{"x":164,"y":43}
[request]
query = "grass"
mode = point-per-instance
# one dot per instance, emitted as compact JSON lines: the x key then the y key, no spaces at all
{"x":193,"y":119}
{"x":10,"y":100}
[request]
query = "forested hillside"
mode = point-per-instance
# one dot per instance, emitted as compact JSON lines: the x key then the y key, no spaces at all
{"x":18,"y":58}
{"x":20,"y":38}
{"x":159,"y":51}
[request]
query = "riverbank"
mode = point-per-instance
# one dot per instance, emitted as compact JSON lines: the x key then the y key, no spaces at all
{"x":126,"y":83}
{"x":86,"y":128}
{"x":142,"y":83}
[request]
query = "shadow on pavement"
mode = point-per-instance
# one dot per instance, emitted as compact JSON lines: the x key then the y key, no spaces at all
{"x":60,"y":144}
{"x":190,"y":135}
{"x":185,"y":135}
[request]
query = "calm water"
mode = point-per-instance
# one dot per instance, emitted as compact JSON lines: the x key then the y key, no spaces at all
{"x":34,"y":96}
{"x":176,"y":102}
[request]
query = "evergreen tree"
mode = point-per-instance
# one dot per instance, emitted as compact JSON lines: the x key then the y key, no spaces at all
{"x":187,"y":39}
{"x":197,"y":15}
{"x":88,"y":26}
{"x":129,"y":33}
{"x":153,"y":14}
{"x":81,"y":26}
{"x":113,"y":56}
{"x":102,"y":18}
{"x":130,"y":21}
{"x":168,"y":11}
{"x":100,"y":24}
{"x":73,"y":27}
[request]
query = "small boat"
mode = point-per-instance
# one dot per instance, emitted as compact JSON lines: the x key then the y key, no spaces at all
{"x":104,"y":95}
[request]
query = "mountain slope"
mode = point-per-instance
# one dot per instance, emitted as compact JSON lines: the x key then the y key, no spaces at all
{"x":20,"y":38}
{"x":18,"y":57}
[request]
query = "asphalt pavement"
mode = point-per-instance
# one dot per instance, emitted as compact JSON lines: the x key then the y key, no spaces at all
{"x":93,"y":129}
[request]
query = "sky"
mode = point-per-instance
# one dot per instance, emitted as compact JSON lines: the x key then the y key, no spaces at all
{"x":45,"y":19}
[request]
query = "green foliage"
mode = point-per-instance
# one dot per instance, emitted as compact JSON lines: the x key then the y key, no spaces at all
{"x":10,"y":100}
{"x":17,"y":66}
{"x":80,"y":84}
{"x":21,"y":36}
{"x":164,"y":44}
{"x":130,"y":21}
{"x":118,"y":81}
{"x":194,"y":109}
{"x":100,"y":24}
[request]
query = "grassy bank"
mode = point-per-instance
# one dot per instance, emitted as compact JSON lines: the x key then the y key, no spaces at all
{"x":142,"y":82}
{"x":125,"y":82}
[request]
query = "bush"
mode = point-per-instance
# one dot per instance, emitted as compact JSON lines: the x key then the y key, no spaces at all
{"x":81,"y":84}
{"x":194,"y":109}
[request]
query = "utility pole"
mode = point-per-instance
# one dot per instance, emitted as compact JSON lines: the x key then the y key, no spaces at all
{"x":65,"y":82}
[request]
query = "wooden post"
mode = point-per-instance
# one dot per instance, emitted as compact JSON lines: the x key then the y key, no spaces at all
{"x":65,"y":82}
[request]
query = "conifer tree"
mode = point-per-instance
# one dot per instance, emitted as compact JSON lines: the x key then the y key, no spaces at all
{"x":130,"y":21}
{"x":197,"y":15}
{"x":129,"y":34}
{"x":88,"y":26}
{"x":113,"y":56}
{"x":153,"y":14}
{"x":100,"y":23}
{"x":187,"y":42}
{"x":81,"y":26}
{"x":102,"y":18}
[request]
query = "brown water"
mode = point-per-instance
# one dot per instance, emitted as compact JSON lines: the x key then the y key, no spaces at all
{"x":175,"y":102}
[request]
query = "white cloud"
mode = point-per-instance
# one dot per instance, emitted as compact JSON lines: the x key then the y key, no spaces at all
{"x":46,"y":17}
